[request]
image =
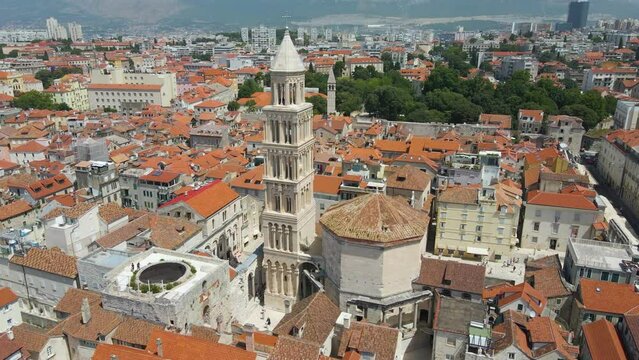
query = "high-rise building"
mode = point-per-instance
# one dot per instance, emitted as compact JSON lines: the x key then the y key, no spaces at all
{"x":328,"y":34}
{"x":263,"y":38}
{"x":288,"y":221}
{"x":244,"y":32}
{"x":55,"y":31}
{"x":578,"y":14}
{"x":75,"y":32}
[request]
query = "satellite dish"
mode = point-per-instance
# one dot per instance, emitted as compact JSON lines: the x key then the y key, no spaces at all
{"x":532,"y":314}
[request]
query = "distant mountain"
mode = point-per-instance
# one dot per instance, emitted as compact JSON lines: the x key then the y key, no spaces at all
{"x":99,"y":13}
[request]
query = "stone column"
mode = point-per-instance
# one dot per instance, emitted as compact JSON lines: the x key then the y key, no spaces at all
{"x":295,"y":281}
{"x":284,"y":238}
{"x":280,"y":278}
{"x":287,"y":93}
{"x":415,"y":314}
{"x":290,"y":239}
{"x":269,"y":278}
{"x":286,"y":279}
{"x":401,"y":317}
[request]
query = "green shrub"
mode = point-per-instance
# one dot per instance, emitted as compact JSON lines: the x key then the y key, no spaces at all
{"x":144,"y":288}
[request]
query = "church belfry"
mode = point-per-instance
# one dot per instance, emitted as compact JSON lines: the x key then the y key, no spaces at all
{"x":288,"y":221}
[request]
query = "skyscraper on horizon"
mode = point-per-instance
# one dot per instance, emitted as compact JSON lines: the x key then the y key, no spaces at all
{"x":578,"y":13}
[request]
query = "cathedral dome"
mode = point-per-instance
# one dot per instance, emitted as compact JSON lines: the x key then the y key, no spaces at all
{"x":376,"y":218}
{"x":287,"y":59}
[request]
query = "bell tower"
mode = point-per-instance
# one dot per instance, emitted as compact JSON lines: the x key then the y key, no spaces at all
{"x":288,"y":221}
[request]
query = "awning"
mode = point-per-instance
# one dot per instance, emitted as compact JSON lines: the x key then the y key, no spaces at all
{"x":477,"y":251}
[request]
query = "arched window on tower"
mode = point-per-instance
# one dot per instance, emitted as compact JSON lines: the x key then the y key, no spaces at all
{"x":289,"y":204}
{"x":276,"y":203}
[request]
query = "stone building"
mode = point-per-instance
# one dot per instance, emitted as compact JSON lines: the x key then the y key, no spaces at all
{"x":170,"y":288}
{"x":288,"y":221}
{"x":364,"y":240}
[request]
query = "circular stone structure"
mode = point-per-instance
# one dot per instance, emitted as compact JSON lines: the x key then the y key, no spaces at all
{"x":164,"y":272}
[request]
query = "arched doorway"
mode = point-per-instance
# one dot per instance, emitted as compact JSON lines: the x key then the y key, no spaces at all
{"x":309,"y":282}
{"x":251,"y":287}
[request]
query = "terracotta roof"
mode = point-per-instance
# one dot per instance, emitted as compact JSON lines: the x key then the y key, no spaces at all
{"x":391,"y":145}
{"x":459,"y":195}
{"x":135,"y":331}
{"x":365,"y":337}
{"x":53,"y":261}
{"x":549,"y":282}
{"x":292,"y":348}
{"x":7,"y":297}
{"x":326,"y":184}
{"x":602,"y":341}
{"x":29,"y":147}
{"x":46,"y":187}
{"x":32,"y":338}
{"x":74,"y":212}
{"x":376,"y":219}
{"x":409,"y":178}
{"x":252,"y":179}
{"x":537,"y":115}
{"x":571,"y":201}
{"x":205,"y":333}
{"x":107,"y":351}
{"x":111,"y":212}
{"x":316,"y":313}
{"x":180,"y":347}
{"x":164,"y":231}
{"x":102,"y":322}
{"x":207,"y":200}
{"x":607,"y":297}
{"x":71,"y":302}
{"x":160,"y":176}
{"x":9,"y":348}
{"x":14,"y":209}
{"x":452,"y":275}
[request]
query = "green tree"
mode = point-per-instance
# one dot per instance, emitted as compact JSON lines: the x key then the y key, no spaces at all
{"x":47,"y":76}
{"x":248,"y":88}
{"x":426,"y":115}
{"x":589,"y":116}
{"x":387,"y":102}
{"x":442,"y":78}
{"x":251,"y":106}
{"x":348,"y":102}
{"x":233,"y":106}
{"x":315,"y":79}
{"x":338,"y":68}
{"x":319,"y":104}
{"x":37,"y":100}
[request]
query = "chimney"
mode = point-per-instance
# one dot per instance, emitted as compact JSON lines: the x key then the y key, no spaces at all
{"x":571,"y":335}
{"x":113,"y":357}
{"x":158,"y":343}
{"x":10,"y":335}
{"x":86,"y":311}
{"x":347,"y":321}
{"x":287,"y":306}
{"x":249,"y":331}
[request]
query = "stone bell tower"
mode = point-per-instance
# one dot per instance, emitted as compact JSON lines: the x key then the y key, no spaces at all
{"x":288,"y":221}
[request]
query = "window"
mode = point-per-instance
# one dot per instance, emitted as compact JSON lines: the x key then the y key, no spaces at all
{"x":462,"y":227}
{"x":49,"y":351}
{"x":451,"y":341}
{"x":615,"y":278}
{"x":478,"y":228}
{"x":555,"y":228}
{"x":605,"y":275}
{"x":511,"y":355}
{"x":520,"y":307}
{"x":535,"y":239}
{"x":536,"y":226}
{"x":574,"y":231}
{"x":322,"y":206}
{"x":537,"y":213}
{"x":589,"y":273}
{"x":500,"y":231}
{"x":442,"y":224}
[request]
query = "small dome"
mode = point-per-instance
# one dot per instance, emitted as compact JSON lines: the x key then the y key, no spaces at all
{"x":376,"y":218}
{"x":287,"y":59}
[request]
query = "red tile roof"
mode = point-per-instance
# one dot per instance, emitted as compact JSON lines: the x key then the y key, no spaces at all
{"x":7,"y":297}
{"x":207,"y":200}
{"x":602,"y":341}
{"x":608,"y":297}
{"x":571,"y":201}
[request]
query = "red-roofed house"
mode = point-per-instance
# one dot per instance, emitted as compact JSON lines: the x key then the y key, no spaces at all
{"x":529,"y":121}
{"x":551,"y":219}
{"x":10,"y":315}
{"x":216,"y":207}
